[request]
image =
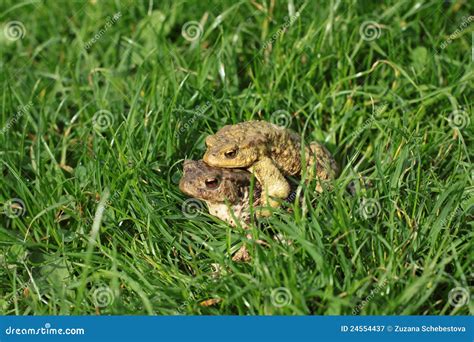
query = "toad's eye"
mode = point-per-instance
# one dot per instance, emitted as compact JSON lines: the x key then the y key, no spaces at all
{"x":212,"y":183}
{"x":231,"y":154}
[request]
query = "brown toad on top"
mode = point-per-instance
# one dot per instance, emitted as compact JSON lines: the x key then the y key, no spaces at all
{"x":271,"y":153}
{"x":225,"y":191}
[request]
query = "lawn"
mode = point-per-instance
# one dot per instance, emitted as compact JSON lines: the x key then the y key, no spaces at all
{"x":101,"y":101}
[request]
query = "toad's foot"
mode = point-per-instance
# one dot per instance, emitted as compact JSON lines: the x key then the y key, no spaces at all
{"x":242,"y":255}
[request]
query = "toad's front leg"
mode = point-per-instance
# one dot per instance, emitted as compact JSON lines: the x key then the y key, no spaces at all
{"x":272,"y":181}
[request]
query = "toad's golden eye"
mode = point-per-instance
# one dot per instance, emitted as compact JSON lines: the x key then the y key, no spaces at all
{"x":231,"y":154}
{"x":212,"y":183}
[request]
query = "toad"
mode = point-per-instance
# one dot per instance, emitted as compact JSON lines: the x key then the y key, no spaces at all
{"x":226,"y":193}
{"x":271,"y":153}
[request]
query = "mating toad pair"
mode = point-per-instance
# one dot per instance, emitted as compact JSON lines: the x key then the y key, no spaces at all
{"x":223,"y":178}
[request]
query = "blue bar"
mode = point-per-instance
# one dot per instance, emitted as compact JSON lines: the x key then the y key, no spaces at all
{"x":238,"y":328}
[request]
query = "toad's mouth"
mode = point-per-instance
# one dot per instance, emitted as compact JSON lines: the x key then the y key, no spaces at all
{"x":214,"y":160}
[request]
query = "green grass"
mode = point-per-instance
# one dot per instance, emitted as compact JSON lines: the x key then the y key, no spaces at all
{"x":384,"y":107}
